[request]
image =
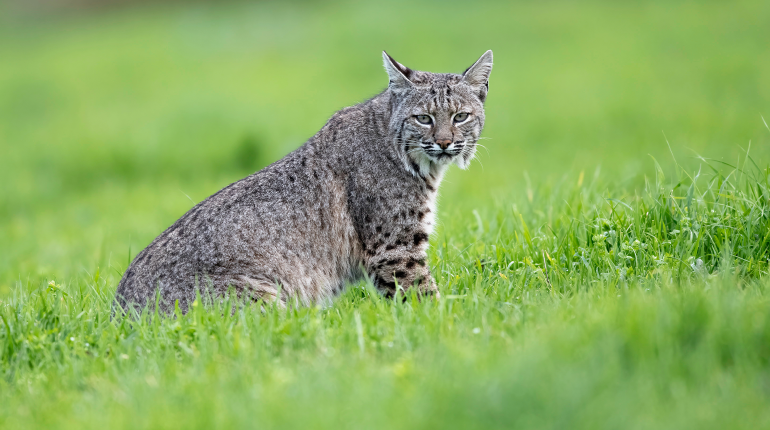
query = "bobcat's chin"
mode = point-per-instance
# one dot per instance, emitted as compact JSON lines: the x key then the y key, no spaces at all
{"x":443,"y":159}
{"x":429,"y":162}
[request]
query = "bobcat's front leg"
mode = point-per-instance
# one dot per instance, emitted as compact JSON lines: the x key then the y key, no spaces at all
{"x":402,"y":263}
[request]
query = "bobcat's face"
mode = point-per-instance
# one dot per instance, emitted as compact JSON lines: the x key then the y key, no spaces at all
{"x":443,"y":123}
{"x":437,"y":118}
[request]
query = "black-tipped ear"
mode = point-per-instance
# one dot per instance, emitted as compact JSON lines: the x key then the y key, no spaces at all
{"x":478,"y":74}
{"x":398,"y":74}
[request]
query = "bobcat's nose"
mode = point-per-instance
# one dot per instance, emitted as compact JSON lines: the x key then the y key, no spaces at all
{"x":443,"y":143}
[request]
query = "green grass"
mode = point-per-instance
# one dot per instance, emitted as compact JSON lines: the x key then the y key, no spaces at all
{"x":595,"y":272}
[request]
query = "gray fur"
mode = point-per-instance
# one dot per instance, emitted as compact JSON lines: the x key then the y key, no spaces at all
{"x":360,"y":194}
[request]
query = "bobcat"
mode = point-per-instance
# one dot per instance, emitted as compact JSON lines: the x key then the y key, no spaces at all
{"x":357,"y":199}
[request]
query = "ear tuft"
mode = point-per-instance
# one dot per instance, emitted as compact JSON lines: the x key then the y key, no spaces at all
{"x":478,"y":74}
{"x":398,"y":74}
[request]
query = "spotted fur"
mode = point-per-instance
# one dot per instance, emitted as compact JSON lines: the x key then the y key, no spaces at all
{"x":357,"y":199}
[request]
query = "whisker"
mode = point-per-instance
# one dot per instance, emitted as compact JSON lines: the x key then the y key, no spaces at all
{"x":474,"y":157}
{"x":485,"y":148}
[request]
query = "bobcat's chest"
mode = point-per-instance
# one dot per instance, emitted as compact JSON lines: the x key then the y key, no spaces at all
{"x":428,"y":223}
{"x":432,"y":182}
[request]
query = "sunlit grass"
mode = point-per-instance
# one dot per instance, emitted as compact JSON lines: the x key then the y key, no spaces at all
{"x":653,"y":315}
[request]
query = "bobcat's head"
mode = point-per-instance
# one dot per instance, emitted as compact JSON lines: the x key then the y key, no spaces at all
{"x":436,"y":118}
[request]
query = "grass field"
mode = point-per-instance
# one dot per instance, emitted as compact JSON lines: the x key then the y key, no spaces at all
{"x":604,"y":264}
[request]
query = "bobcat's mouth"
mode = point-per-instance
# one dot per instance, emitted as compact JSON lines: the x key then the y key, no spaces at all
{"x":436,"y":153}
{"x":445,"y":154}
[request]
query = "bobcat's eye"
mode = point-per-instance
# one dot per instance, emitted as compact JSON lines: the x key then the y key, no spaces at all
{"x":460,"y":117}
{"x":424,"y":119}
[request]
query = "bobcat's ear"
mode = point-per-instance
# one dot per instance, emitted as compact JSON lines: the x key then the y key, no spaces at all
{"x":477,"y":75}
{"x":398,"y":74}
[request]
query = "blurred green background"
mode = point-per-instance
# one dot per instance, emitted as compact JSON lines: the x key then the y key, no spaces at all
{"x":115,"y":119}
